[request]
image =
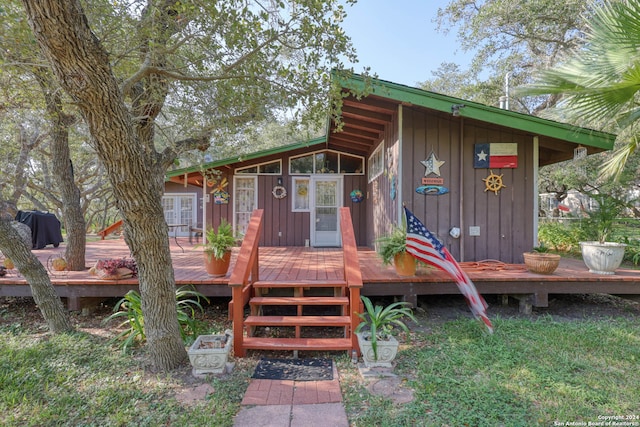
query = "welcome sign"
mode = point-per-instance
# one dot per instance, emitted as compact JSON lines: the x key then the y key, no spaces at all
{"x":496,"y":155}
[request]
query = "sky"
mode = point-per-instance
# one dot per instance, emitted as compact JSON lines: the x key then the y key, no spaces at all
{"x":399,"y":41}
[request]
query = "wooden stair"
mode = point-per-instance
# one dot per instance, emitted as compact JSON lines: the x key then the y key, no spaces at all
{"x":313,"y":336}
{"x":298,"y":315}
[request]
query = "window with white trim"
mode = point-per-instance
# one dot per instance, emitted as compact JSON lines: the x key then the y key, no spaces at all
{"x":375,"y":164}
{"x":326,"y":161}
{"x":268,"y":168}
{"x":300,"y":199}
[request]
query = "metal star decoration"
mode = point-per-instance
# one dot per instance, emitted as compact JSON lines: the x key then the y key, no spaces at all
{"x":432,"y":165}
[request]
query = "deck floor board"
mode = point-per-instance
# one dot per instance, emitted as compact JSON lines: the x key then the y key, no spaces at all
{"x":301,"y":263}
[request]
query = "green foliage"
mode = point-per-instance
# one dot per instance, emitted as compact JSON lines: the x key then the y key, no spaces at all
{"x":599,"y":82}
{"x":78,"y":380}
{"x":515,"y":37}
{"x":560,"y":236}
{"x":380,"y":320}
{"x":600,"y":221}
{"x":130,"y":308}
{"x":392,"y":244}
{"x":220,"y":240}
{"x":530,"y":373}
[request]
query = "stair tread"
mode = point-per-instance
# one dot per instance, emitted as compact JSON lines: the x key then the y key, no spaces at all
{"x":298,"y":320}
{"x":299,"y":283}
{"x":299,"y":301}
{"x":297,"y":343}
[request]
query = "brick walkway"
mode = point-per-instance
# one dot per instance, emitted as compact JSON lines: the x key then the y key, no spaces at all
{"x":280,"y":403}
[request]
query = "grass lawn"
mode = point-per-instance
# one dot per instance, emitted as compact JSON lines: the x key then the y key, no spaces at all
{"x":528,"y":373}
{"x":534,"y":371}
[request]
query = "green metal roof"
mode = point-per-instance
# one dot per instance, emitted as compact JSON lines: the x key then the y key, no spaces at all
{"x":250,"y":156}
{"x":512,"y":119}
{"x":435,"y":101}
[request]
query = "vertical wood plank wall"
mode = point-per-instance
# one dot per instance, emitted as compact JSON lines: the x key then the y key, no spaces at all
{"x":505,"y":220}
{"x":281,"y":226}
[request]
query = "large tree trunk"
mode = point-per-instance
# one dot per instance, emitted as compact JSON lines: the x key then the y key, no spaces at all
{"x":136,"y":171}
{"x":12,"y":246}
{"x":62,"y":167}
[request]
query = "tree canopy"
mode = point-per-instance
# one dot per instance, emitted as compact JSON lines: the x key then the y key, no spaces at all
{"x":153,"y":79}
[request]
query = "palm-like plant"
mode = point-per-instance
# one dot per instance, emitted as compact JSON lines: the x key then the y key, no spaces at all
{"x":130,"y":308}
{"x":381,"y":320}
{"x":600,"y":83}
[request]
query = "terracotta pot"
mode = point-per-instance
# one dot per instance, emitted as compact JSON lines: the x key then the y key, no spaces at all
{"x":405,"y":264}
{"x":217,"y":267}
{"x":541,"y":263}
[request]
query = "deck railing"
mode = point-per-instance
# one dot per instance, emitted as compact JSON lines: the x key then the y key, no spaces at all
{"x":352,"y":272}
{"x":245,"y":272}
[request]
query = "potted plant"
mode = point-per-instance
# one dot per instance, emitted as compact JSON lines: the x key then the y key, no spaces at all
{"x":540,"y":261}
{"x":392,"y":249}
{"x":217,"y":249}
{"x":599,"y":255}
{"x":209,"y":353}
{"x":377,"y":345}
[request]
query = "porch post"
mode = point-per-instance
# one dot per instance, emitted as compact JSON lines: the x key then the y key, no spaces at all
{"x":205,"y":196}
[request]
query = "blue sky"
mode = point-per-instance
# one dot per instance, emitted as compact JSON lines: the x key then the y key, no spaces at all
{"x":399,"y":41}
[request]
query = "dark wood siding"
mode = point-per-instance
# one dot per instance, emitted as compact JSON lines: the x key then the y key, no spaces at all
{"x":505,"y":220}
{"x":282,"y":226}
{"x":383,"y":210}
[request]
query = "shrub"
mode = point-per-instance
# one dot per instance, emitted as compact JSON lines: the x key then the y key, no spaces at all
{"x":559,"y":236}
{"x":130,"y":307}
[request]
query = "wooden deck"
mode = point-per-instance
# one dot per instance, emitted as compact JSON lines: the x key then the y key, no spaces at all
{"x":313,"y":264}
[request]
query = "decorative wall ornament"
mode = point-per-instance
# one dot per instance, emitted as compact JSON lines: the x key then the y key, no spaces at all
{"x":219,"y":186}
{"x":279,"y":192}
{"x":493,"y":183}
{"x":432,"y":165}
{"x":432,"y":190}
{"x":499,"y":155}
{"x":221,"y":198}
{"x":356,"y":196}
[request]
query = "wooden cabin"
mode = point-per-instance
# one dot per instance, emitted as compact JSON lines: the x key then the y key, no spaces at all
{"x":467,"y":170}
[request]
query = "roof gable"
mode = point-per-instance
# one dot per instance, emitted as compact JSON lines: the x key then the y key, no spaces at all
{"x":557,"y":140}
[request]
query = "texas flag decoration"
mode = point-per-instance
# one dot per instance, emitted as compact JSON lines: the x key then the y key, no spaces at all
{"x":496,"y":155}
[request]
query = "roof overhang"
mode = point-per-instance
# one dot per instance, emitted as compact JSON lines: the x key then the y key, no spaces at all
{"x":364,"y":119}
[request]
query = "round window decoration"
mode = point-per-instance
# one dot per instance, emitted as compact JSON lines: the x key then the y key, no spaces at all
{"x":279,"y":192}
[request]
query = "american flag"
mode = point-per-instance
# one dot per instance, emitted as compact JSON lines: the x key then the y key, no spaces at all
{"x":426,"y":247}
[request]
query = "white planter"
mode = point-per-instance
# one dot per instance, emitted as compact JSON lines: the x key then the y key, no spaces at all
{"x":209,"y":353}
{"x":602,"y":258}
{"x":387,"y":351}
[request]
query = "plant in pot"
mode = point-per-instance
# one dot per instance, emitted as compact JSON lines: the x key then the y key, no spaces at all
{"x":217,"y":249}
{"x":600,"y":255}
{"x":540,"y":261}
{"x":392,"y":249}
{"x":377,"y":345}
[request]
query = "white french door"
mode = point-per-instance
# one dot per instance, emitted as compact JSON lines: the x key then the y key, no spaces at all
{"x":180,"y":208}
{"x":326,"y":199}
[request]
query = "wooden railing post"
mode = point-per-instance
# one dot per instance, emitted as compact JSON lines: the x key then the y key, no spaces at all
{"x":352,"y":272}
{"x":247,"y":265}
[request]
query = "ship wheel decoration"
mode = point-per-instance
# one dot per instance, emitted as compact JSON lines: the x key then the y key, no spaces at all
{"x":493,"y":183}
